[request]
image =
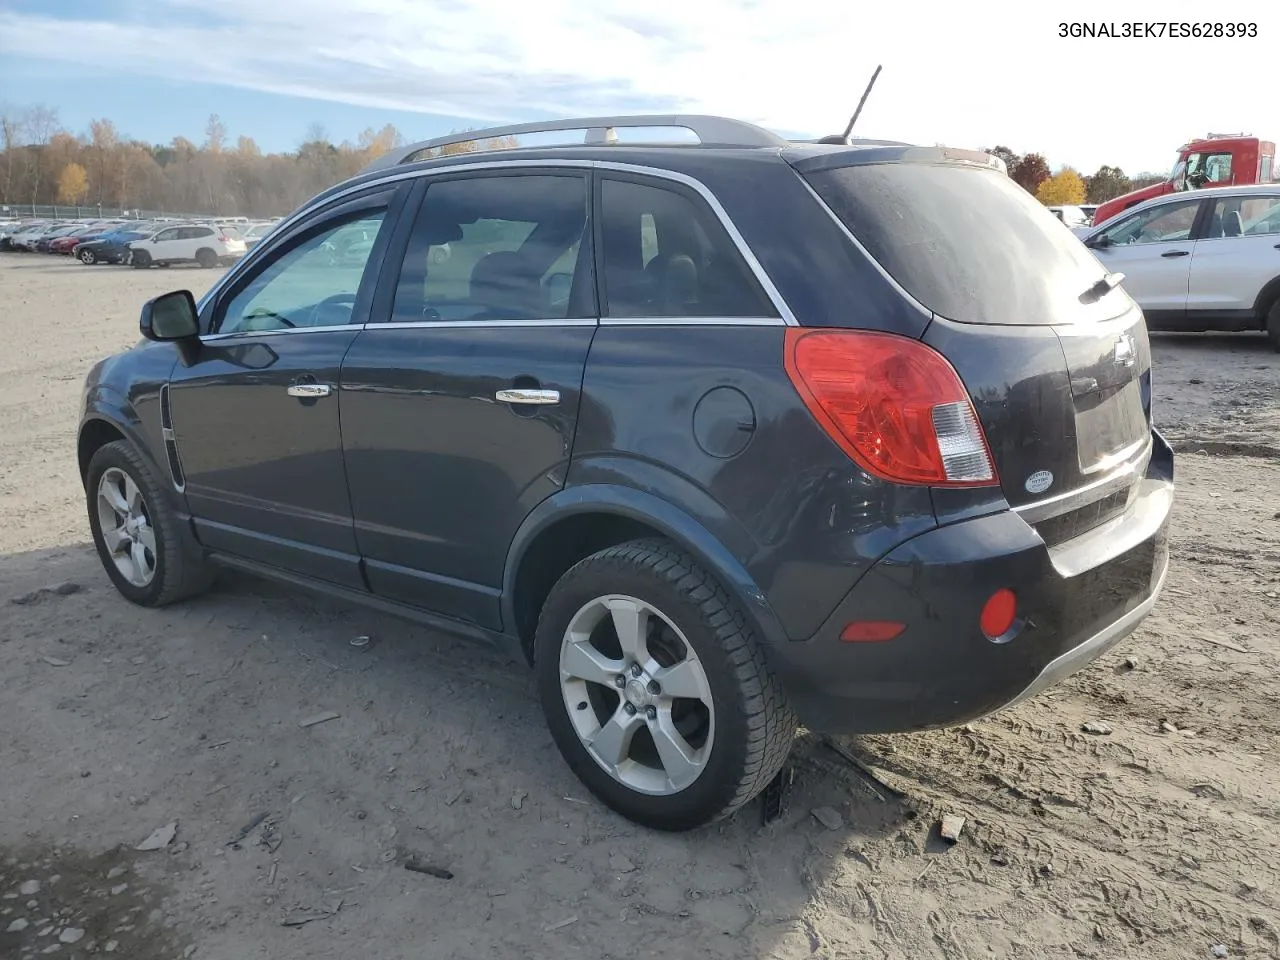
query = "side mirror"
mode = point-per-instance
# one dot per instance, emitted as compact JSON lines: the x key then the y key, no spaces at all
{"x":170,"y":316}
{"x":1098,"y":242}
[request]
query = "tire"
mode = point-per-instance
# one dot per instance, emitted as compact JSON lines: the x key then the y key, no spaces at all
{"x":88,"y":258}
{"x":1273,"y":325}
{"x":206,"y":258}
{"x":734,"y":722}
{"x":140,"y":260}
{"x":173,"y":573}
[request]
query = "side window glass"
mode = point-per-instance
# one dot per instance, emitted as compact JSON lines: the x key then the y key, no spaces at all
{"x":166,"y":235}
{"x":1163,"y":224}
{"x":497,"y":248}
{"x":666,"y":255}
{"x":1259,"y":216}
{"x":310,"y":284}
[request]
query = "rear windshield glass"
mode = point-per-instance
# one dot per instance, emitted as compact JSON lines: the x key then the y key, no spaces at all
{"x":968,"y":243}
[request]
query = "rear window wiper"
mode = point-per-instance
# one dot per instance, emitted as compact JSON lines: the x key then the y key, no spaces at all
{"x":1100,"y":289}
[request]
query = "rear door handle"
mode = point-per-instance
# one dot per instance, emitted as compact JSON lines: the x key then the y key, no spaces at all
{"x":1176,"y":253}
{"x":525,"y":395}
{"x":308,"y":390}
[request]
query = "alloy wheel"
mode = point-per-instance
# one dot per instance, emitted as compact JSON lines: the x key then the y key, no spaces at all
{"x":637,"y":695}
{"x":126,"y":527}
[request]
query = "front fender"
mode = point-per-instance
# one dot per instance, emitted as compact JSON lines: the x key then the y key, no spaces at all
{"x":654,"y":511}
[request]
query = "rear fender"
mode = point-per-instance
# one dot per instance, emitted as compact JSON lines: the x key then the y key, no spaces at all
{"x":607,"y":496}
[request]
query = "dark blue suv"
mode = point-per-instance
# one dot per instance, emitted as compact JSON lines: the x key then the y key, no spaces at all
{"x":720,"y":437}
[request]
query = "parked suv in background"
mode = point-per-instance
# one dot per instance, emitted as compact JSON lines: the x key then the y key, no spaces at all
{"x":202,"y":243}
{"x":718,"y":437}
{"x":1208,"y":260}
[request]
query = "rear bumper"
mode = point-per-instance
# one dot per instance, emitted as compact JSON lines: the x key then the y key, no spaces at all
{"x":1075,"y":602}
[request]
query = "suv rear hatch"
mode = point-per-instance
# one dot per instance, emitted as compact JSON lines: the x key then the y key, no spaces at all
{"x":1056,"y":361}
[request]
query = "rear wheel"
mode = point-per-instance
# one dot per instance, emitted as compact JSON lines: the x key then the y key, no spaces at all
{"x":655,"y":689}
{"x":206,"y":258}
{"x":140,"y":259}
{"x":1273,"y":324}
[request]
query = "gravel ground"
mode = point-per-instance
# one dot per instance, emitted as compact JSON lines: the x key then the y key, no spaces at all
{"x":1157,"y":839}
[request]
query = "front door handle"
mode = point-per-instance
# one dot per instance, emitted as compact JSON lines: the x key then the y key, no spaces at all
{"x":309,"y":390}
{"x":525,"y":395}
{"x":1176,"y":253}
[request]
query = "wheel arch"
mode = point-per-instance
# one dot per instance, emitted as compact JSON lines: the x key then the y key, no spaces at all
{"x":103,"y":423}
{"x":583,"y":519}
{"x":1267,"y":298}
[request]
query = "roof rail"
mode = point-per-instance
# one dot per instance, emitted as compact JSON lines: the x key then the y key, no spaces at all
{"x":599,"y":130}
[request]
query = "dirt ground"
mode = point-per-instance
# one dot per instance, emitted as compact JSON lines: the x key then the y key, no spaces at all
{"x":1156,"y":840}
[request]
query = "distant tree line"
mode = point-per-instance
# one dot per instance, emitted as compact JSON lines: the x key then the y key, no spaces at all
{"x":1031,"y":172}
{"x":42,"y":163}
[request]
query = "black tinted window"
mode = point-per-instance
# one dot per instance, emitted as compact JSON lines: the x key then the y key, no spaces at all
{"x":498,"y":248}
{"x":666,"y":255}
{"x":968,"y":243}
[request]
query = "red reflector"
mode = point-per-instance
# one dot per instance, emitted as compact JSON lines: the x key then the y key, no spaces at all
{"x":893,"y":404}
{"x":998,"y":614}
{"x":871,"y":631}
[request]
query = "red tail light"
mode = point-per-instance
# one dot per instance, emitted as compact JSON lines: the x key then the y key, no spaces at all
{"x":221,"y":238}
{"x":894,"y":405}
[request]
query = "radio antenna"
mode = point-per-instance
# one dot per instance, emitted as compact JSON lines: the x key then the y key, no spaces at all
{"x":865,"y":93}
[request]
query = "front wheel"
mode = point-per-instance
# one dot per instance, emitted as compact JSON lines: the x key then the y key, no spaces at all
{"x":140,"y":259}
{"x":136,"y":533}
{"x":655,"y":689}
{"x":1273,"y":325}
{"x":88,"y":258}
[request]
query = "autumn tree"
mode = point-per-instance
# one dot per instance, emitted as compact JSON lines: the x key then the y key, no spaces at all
{"x":215,"y":134}
{"x":1064,"y":187}
{"x":1030,"y":172}
{"x":1107,"y":184}
{"x":102,"y":134}
{"x":41,"y":125}
{"x":12,"y":127}
{"x":73,"y":184}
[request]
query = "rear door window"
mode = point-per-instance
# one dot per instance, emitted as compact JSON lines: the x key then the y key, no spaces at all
{"x":665,"y":254}
{"x":498,"y":248}
{"x":966,"y":242}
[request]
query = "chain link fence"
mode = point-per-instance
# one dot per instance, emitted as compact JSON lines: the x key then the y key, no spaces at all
{"x":15,"y":211}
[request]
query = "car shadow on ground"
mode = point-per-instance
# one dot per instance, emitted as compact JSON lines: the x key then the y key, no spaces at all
{"x":123,"y":719}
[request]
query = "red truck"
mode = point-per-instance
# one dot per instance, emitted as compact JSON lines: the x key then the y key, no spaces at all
{"x":1217,"y":160}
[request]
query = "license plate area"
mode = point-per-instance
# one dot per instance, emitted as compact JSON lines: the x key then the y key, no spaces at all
{"x":1110,"y":423}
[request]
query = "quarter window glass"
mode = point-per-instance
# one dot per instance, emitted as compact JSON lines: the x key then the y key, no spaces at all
{"x":497,"y":248}
{"x":311,"y":284}
{"x":666,"y":255}
{"x":1163,"y":224}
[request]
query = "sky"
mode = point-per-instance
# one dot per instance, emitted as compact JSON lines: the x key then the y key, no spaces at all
{"x":968,"y":74}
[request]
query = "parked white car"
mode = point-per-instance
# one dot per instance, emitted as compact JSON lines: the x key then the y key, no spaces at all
{"x":202,"y":243}
{"x":1206,"y":260}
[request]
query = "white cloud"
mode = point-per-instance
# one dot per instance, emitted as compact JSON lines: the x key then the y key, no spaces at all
{"x":967,"y":74}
